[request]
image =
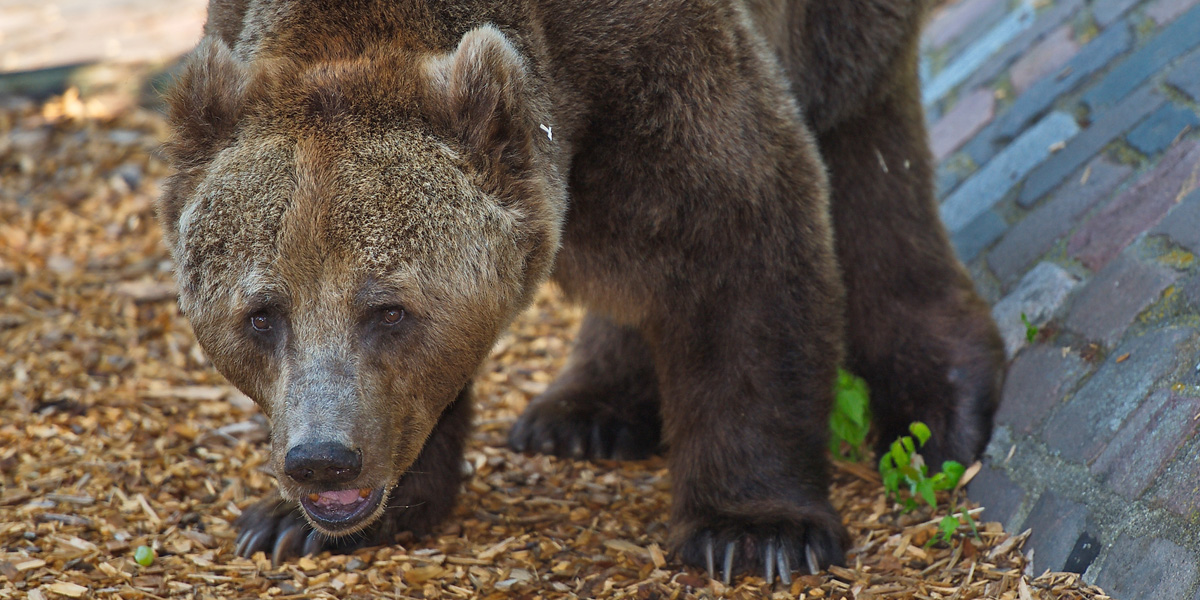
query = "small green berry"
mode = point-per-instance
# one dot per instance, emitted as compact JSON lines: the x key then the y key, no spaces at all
{"x":144,"y":555}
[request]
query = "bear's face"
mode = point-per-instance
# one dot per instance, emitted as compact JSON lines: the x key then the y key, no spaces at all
{"x":348,"y":255}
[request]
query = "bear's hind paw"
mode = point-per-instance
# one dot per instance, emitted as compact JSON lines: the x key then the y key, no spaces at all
{"x":572,"y":430}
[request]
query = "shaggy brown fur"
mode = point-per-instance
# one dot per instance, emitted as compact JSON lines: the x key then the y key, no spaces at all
{"x":368,"y":191}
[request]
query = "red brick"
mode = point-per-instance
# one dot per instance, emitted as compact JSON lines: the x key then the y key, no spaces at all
{"x":1110,"y":302}
{"x":1037,"y":381}
{"x":962,"y":122}
{"x":1048,"y":56}
{"x":1176,"y":487}
{"x":953,"y":20}
{"x":1165,"y":11}
{"x":1145,"y":443}
{"x":1139,"y":208}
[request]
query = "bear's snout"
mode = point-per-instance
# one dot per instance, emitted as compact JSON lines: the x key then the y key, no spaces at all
{"x":322,"y":464}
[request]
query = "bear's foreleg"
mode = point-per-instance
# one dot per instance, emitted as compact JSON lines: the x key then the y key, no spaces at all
{"x":916,"y":329}
{"x":746,"y":381}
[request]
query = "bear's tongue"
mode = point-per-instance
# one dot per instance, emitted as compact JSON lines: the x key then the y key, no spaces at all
{"x":339,"y":498}
{"x":340,"y":506}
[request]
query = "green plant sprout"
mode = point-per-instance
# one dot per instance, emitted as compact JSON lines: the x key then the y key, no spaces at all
{"x":1031,"y":330}
{"x":903,"y":466}
{"x":850,"y":419}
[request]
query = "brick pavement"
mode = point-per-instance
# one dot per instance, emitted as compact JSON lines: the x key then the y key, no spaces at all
{"x":1069,"y":163}
{"x":1073,"y":195}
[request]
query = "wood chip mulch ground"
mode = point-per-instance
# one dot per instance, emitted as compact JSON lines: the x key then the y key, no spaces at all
{"x":116,"y":433}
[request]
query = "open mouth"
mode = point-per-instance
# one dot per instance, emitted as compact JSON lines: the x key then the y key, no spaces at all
{"x":341,"y":509}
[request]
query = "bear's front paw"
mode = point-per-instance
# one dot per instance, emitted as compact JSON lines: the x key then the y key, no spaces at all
{"x":808,"y":546}
{"x":278,"y":527}
{"x":562,"y":427}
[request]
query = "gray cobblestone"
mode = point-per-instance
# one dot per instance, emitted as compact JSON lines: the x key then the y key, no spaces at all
{"x":1000,"y":497}
{"x":991,"y":183}
{"x":1056,"y":523}
{"x":1175,"y":39}
{"x":1082,"y":427}
{"x":1042,"y":95}
{"x":1165,"y":11}
{"x":1161,"y":128}
{"x":1147,"y":568}
{"x":1145,"y":444}
{"x":1096,"y":54}
{"x":1107,"y":11}
{"x":1039,"y":296}
{"x":1087,"y":144}
{"x":1087,"y":547}
{"x":1186,"y":75}
{"x":971,"y":57}
{"x":1033,"y":235}
{"x":1046,"y":21}
{"x":1182,"y":224}
{"x":977,"y":235}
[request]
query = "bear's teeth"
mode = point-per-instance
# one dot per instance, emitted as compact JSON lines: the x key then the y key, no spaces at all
{"x":314,"y":497}
{"x":364,"y":493}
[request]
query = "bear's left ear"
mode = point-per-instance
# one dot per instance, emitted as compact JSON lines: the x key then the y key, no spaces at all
{"x":479,"y":92}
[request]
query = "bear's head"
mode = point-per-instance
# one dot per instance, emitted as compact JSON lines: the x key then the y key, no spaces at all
{"x":350,"y":238}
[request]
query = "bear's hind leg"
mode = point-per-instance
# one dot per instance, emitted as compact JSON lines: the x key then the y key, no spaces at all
{"x":916,"y":329}
{"x":605,"y":403}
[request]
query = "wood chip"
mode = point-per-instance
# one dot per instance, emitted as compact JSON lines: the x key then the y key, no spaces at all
{"x":68,"y":589}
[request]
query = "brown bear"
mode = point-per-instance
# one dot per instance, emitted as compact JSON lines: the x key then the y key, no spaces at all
{"x":738,"y":191}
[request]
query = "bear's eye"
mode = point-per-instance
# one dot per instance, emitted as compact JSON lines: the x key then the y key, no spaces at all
{"x":260,"y":322}
{"x":392,"y":315}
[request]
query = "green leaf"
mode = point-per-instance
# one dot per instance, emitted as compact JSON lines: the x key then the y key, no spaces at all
{"x":839,"y":426}
{"x":969,"y":520}
{"x":899,"y":455}
{"x":948,"y":525}
{"x":850,"y":419}
{"x":953,"y":470}
{"x":891,"y":482}
{"x":940,"y":482}
{"x":887,"y":463}
{"x":925,"y":490}
{"x":920,"y":430}
{"x":853,"y":398}
{"x":1031,"y":330}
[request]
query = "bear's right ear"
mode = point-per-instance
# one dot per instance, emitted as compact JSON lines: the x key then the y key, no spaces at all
{"x":205,"y":103}
{"x":478,"y":92}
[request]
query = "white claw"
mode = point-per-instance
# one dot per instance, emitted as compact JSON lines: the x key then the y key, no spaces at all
{"x":728,"y":563}
{"x":769,"y":559}
{"x":811,"y":557}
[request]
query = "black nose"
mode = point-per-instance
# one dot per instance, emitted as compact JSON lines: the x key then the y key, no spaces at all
{"x":322,"y":463}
